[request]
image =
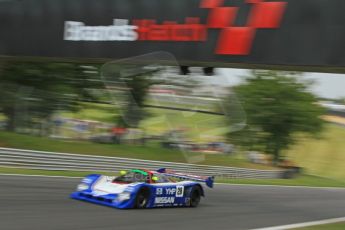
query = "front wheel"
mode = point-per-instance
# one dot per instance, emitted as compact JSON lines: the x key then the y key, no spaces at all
{"x":142,"y":199}
{"x":195,"y":197}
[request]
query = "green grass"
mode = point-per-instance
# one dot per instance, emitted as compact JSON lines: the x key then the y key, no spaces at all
{"x":4,"y":170}
{"x":325,"y":156}
{"x":2,"y":117}
{"x":93,"y":111}
{"x":305,"y":180}
{"x":211,"y":107}
{"x":151,"y":151}
{"x":336,"y":226}
{"x":199,"y":127}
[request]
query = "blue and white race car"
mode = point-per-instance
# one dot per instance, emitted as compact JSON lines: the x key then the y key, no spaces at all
{"x":139,"y":188}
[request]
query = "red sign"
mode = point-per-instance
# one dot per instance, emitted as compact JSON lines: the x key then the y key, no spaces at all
{"x":233,"y":40}
{"x":238,"y":40}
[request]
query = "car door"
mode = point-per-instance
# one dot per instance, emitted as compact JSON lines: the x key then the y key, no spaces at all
{"x":168,"y":194}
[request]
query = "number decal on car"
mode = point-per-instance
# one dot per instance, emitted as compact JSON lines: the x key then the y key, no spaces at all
{"x":159,"y":191}
{"x":179,"y":191}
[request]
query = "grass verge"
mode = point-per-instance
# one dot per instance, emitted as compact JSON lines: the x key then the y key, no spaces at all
{"x":151,"y":151}
{"x":304,"y":180}
{"x":5,"y":170}
{"x":324,"y":156}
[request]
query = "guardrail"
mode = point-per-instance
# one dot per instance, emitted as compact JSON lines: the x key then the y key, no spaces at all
{"x":75,"y":162}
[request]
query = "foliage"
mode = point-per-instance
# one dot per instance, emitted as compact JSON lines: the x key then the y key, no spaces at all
{"x":138,"y":86}
{"x":324,"y":157}
{"x":277,"y":107}
{"x":32,"y":91}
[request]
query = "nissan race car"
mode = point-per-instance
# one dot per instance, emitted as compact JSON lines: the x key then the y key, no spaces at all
{"x":139,"y":188}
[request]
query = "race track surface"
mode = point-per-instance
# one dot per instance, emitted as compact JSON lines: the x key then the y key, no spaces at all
{"x":38,"y":203}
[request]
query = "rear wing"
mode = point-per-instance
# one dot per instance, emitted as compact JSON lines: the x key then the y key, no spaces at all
{"x":207,"y":180}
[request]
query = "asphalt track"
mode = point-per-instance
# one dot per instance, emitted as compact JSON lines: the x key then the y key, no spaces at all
{"x":38,"y":203}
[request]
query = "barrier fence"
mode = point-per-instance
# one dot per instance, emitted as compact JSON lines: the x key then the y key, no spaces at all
{"x":30,"y":159}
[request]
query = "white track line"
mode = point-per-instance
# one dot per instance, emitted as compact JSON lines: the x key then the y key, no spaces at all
{"x":306,"y":224}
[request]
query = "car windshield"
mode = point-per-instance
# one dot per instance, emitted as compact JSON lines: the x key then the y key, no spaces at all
{"x":132,"y":177}
{"x":162,"y":179}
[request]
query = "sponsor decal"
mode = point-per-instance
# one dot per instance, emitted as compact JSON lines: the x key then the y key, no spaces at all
{"x":233,"y":40}
{"x":159,"y":191}
{"x":179,"y":191}
{"x":164,"y":200}
{"x":170,"y":191}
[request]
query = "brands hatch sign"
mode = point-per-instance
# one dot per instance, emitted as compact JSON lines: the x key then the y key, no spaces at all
{"x":235,"y":33}
{"x":233,"y":40}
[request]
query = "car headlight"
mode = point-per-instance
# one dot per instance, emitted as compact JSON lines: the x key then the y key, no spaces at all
{"x":123,"y":196}
{"x":82,"y":187}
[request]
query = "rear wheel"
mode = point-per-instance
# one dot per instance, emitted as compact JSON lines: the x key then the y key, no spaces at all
{"x":195,"y":196}
{"x":142,"y":198}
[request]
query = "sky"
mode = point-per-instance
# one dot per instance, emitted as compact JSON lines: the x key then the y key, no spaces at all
{"x":326,"y":85}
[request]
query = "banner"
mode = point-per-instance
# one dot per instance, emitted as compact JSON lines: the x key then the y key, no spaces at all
{"x":216,"y":32}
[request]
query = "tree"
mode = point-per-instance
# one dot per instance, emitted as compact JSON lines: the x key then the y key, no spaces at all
{"x":134,"y":112}
{"x":277,"y":106}
{"x":138,"y":85}
{"x":40,"y":88}
{"x":128,"y":84}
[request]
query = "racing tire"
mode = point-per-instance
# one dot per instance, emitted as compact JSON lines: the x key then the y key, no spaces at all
{"x":142,"y":199}
{"x":195,"y":196}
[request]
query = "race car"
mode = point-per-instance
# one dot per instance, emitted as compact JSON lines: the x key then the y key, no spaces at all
{"x":139,"y":188}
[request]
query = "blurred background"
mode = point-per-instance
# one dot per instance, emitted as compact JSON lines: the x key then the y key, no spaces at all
{"x":259,"y":119}
{"x":250,"y":92}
